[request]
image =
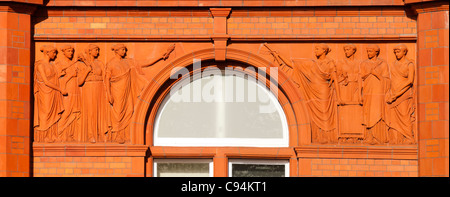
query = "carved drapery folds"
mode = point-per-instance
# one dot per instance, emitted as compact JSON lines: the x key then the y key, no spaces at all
{"x":79,"y":98}
{"x":356,"y":101}
{"x":83,"y":100}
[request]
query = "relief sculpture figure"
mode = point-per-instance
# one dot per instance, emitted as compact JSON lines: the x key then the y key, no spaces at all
{"x":95,"y":118}
{"x":123,"y":85}
{"x":349,"y":110}
{"x":316,"y":81}
{"x":375,"y":76}
{"x":400,"y":101}
{"x":68,"y":125}
{"x":48,"y":104}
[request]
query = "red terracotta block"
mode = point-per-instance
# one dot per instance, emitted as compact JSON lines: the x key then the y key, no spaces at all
{"x":440,"y":56}
{"x":443,"y":36}
{"x":440,"y":93}
{"x":423,"y":22}
{"x":294,"y":3}
{"x":440,"y":166}
{"x":440,"y":129}
{"x":9,"y":91}
{"x":443,"y":74}
{"x":126,"y":3}
{"x":146,"y":3}
{"x":317,"y":3}
{"x":209,"y":3}
{"x":440,"y":20}
{"x":12,"y":22}
{"x":424,"y":58}
{"x":12,"y":57}
{"x":24,"y":57}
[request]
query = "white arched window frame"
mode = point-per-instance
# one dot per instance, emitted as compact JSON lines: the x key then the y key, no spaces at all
{"x":208,"y":116}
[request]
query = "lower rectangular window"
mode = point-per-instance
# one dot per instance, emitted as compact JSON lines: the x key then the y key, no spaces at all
{"x":183,"y":168}
{"x":258,"y":168}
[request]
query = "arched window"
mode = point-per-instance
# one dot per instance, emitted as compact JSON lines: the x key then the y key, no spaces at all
{"x":221,"y":107}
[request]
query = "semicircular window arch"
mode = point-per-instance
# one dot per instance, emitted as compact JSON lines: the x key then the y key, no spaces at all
{"x":220,"y":107}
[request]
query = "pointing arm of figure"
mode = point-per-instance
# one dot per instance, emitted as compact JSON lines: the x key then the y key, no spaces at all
{"x":157,"y":59}
{"x":280,"y":59}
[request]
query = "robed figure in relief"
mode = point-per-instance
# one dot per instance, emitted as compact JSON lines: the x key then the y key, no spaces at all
{"x":350,"y":110}
{"x":96,"y":122}
{"x":316,"y":80}
{"x":124,"y":83}
{"x":66,"y":66}
{"x":48,"y":104}
{"x":400,"y":100}
{"x":375,"y":77}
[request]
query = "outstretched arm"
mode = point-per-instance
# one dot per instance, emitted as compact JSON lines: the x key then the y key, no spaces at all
{"x":157,"y":59}
{"x":280,"y":59}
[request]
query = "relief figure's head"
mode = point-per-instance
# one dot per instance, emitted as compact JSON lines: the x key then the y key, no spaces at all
{"x":68,"y":51}
{"x":49,"y":51}
{"x":373,"y":51}
{"x":400,"y":51}
{"x":120,"y":50}
{"x":93,"y":50}
{"x":349,"y":50}
{"x":321,"y":50}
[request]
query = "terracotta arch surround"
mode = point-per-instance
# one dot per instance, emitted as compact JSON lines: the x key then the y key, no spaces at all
{"x":152,"y":96}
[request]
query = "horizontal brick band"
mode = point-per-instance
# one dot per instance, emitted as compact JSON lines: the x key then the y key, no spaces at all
{"x":358,"y":152}
{"x":88,"y":150}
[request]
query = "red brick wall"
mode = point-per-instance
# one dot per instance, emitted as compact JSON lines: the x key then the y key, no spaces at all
{"x":88,"y":166}
{"x":299,"y":23}
{"x":358,"y":21}
{"x":357,"y":161}
{"x":88,"y":160}
{"x":123,"y":24}
{"x":433,"y":97}
{"x":15,"y":82}
{"x":310,"y":23}
{"x":358,"y":168}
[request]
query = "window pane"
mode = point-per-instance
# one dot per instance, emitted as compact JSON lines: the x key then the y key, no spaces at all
{"x":226,"y":107}
{"x":258,"y":170}
{"x":182,"y":170}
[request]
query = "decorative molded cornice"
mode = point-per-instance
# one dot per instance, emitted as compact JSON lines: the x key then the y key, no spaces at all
{"x":35,"y":2}
{"x":17,"y":8}
{"x":20,"y":6}
{"x":430,"y":6}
